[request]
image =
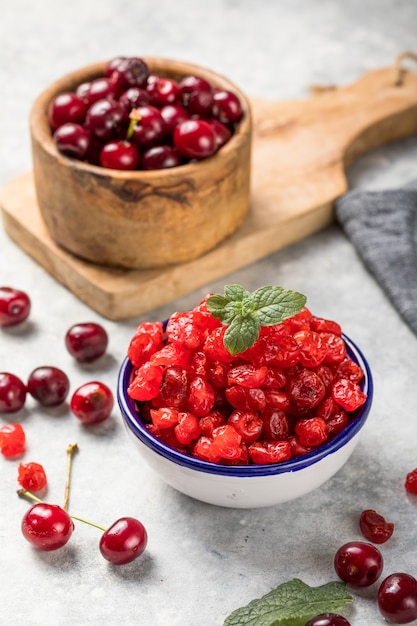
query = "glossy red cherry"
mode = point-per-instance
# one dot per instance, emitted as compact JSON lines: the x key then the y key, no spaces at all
{"x":194,"y":139}
{"x":119,"y":155}
{"x":149,"y":129}
{"x":222,"y":134}
{"x":163,"y":91}
{"x":106,"y":120}
{"x":86,"y":341}
{"x":130,"y":72}
{"x":190,"y":83}
{"x":160,"y":157}
{"x":14,"y":306}
{"x":397,"y":598}
{"x":73,"y":140}
{"x":358,"y":563}
{"x":172,"y":115}
{"x":47,"y":526}
{"x":112,"y":65}
{"x":66,"y":107}
{"x":98,"y":89}
{"x":124,"y":541}
{"x":328,"y":619}
{"x":92,"y":403}
{"x":227,"y":107}
{"x":12,"y":393}
{"x":135,"y":97}
{"x":48,"y":385}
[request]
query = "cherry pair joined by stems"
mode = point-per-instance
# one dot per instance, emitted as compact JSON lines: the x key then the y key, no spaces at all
{"x":49,"y":527}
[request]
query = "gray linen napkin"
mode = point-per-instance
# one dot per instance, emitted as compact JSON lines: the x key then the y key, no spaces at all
{"x":382,"y":225}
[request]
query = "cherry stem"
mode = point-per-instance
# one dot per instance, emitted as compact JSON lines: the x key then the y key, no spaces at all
{"x":73,"y":447}
{"x":24,"y":493}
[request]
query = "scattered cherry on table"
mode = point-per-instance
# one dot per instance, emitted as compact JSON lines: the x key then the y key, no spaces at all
{"x":92,"y":403}
{"x":14,"y":306}
{"x":47,"y":526}
{"x":86,"y":341}
{"x":397,"y":598}
{"x":328,"y":619}
{"x":358,"y":563}
{"x":12,"y":393}
{"x":48,"y":385}
{"x":123,"y":541}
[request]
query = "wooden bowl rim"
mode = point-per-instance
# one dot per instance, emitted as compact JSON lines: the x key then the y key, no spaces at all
{"x":41,"y":132}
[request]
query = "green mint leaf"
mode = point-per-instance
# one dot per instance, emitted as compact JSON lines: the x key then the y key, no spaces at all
{"x":244,"y":313}
{"x":291,"y":604}
{"x":275,"y":304}
{"x":223,"y":309}
{"x":241,"y":334}
{"x":235,"y":292}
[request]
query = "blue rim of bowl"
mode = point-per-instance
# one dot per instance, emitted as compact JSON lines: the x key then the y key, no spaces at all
{"x":132,"y":419}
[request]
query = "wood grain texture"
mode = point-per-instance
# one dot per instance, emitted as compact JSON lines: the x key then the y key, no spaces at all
{"x":300,"y":151}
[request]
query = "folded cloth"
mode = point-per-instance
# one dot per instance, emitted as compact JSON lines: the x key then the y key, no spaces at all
{"x":382,"y":225}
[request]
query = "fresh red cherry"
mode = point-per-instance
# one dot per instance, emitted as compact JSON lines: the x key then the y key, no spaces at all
{"x":160,"y":157}
{"x":227,"y":107}
{"x":119,"y":155}
{"x":124,"y":541}
{"x":222,"y":134}
{"x":106,"y":119}
{"x":98,"y":89}
{"x":149,"y":128}
{"x":92,"y":403}
{"x":48,"y":385}
{"x":163,"y":91}
{"x":191,"y":83}
{"x":134,"y":97}
{"x":47,"y":526}
{"x":86,"y":341}
{"x":328,"y":619}
{"x":66,"y":107}
{"x":397,"y":598}
{"x":130,"y":72}
{"x":82,"y":90}
{"x":14,"y":306}
{"x":194,"y":139}
{"x":172,"y":115}
{"x":12,"y":393}
{"x":112,"y":65}
{"x":358,"y":563}
{"x":73,"y":140}
{"x":200,"y":102}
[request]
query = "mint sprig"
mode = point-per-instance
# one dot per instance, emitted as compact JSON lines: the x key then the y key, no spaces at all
{"x":291,"y":604}
{"x":244,"y":312}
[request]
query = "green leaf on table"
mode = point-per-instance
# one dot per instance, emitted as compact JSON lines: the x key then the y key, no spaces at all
{"x":244,"y":313}
{"x":293,"y":603}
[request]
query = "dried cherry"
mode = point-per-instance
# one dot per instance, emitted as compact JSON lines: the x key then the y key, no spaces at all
{"x":411,"y":481}
{"x":374,"y":526}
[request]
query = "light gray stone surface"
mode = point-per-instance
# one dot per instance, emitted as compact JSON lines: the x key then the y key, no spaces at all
{"x":202,"y":561}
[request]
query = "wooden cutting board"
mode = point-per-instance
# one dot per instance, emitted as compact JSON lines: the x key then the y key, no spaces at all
{"x":300,"y":151}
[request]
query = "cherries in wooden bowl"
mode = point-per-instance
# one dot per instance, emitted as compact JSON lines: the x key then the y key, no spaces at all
{"x":141,"y":163}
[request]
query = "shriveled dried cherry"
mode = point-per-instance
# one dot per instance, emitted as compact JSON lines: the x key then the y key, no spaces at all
{"x":374,"y":526}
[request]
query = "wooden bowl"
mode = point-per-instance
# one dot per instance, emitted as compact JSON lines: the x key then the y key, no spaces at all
{"x":140,"y":219}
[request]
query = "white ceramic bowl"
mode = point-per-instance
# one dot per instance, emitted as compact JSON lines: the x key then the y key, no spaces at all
{"x":245,"y":486}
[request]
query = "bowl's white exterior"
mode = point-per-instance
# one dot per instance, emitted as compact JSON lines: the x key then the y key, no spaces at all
{"x":242,"y":491}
